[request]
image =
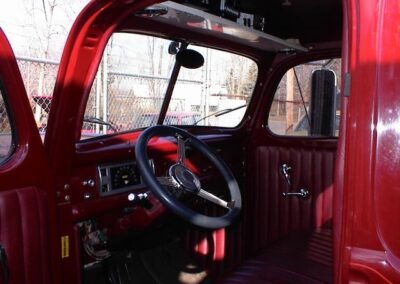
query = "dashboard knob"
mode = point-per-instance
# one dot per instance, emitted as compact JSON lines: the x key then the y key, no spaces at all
{"x":88,"y":183}
{"x":143,"y":196}
{"x":131,"y":197}
{"x":87,"y":195}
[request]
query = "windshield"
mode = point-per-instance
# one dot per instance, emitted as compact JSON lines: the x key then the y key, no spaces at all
{"x":133,"y":79}
{"x":130,"y":84}
{"x":223,"y":88}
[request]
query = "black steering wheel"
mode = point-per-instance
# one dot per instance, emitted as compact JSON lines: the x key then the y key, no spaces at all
{"x":182,"y":178}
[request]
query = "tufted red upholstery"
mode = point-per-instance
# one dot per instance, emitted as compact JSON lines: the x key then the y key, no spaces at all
{"x":272,"y":216}
{"x":24,"y":235}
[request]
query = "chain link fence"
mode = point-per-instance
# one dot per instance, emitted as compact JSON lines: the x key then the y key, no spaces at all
{"x":123,"y":101}
{"x":120,"y":102}
{"x":117,"y":102}
{"x":39,"y":77}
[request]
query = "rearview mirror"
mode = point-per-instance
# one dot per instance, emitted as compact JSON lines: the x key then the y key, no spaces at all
{"x":323,"y":103}
{"x":190,"y":58}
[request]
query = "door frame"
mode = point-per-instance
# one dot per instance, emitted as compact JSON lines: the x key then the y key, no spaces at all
{"x":25,"y":175}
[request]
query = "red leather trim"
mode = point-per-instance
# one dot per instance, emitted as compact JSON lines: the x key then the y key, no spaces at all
{"x":24,"y":235}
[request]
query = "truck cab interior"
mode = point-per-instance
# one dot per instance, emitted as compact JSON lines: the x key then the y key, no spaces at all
{"x":232,"y":180}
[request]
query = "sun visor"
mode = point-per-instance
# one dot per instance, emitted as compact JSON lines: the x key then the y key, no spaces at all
{"x":199,"y":21}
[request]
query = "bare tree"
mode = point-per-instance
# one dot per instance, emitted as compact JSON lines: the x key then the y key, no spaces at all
{"x":241,"y":78}
{"x":159,"y":63}
{"x":46,"y":25}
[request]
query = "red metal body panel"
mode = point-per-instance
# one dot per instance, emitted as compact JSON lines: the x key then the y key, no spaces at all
{"x":369,"y":162}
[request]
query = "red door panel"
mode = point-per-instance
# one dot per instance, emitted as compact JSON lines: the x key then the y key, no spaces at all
{"x":312,"y":169}
{"x":27,"y":229}
{"x":274,"y":216}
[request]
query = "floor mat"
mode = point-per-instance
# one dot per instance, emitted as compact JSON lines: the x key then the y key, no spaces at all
{"x":170,"y":263}
{"x":122,"y":267}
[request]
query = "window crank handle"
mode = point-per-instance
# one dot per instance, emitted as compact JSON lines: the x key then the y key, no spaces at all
{"x":286,"y":169}
{"x":302,"y":193}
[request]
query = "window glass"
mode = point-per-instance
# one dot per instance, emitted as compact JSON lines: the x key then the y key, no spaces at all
{"x":6,"y":135}
{"x":216,"y":94}
{"x":130,"y":85}
{"x":290,"y":113}
{"x":133,"y":77}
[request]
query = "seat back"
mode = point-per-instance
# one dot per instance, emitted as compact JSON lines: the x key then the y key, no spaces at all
{"x":24,"y":236}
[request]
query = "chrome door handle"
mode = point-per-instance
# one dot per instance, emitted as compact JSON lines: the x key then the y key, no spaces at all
{"x":286,"y":169}
{"x":302,"y":193}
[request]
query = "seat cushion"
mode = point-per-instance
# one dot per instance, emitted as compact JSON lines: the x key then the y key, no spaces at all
{"x":296,"y":259}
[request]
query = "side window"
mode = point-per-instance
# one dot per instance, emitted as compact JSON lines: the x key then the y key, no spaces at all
{"x":291,"y":113}
{"x":6,"y":134}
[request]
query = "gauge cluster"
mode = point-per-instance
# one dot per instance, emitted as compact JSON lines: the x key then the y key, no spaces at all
{"x":117,"y":178}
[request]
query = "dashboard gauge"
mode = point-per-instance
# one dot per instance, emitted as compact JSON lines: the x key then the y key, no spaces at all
{"x":120,"y":177}
{"x":124,"y":176}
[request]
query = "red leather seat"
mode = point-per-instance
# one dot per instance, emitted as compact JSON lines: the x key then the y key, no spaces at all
{"x":298,"y":259}
{"x":24,"y":235}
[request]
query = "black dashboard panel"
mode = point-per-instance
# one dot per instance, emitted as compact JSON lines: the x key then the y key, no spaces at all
{"x":117,"y":178}
{"x":124,"y":176}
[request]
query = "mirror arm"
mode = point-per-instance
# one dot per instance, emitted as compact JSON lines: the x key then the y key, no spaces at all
{"x":170,"y":88}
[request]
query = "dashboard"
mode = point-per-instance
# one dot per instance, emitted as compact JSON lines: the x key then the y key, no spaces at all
{"x":119,"y":177}
{"x":105,"y":176}
{"x":105,"y":191}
